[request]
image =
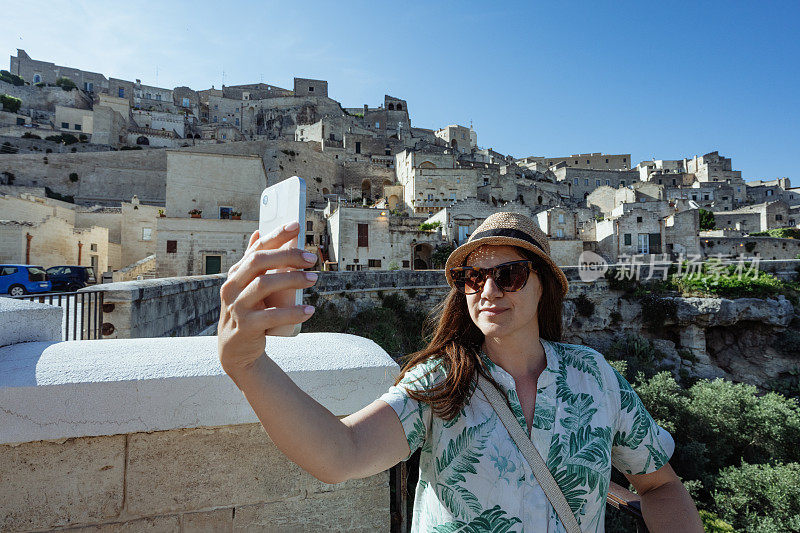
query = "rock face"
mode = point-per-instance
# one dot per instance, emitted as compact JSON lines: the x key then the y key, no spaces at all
{"x":705,"y":337}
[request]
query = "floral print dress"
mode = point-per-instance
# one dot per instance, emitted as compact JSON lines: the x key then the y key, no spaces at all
{"x":473,"y":478}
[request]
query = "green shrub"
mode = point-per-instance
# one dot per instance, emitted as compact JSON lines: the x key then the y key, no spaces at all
{"x":760,"y":498}
{"x":7,"y":148}
{"x":50,"y":193}
{"x":639,"y":355}
{"x":714,"y":524}
{"x":657,"y":310}
{"x":395,"y":302}
{"x":73,"y":177}
{"x":707,"y":220}
{"x":13,"y":79}
{"x":430,"y":226}
{"x":10,"y":103}
{"x":782,"y":233}
{"x":66,"y":83}
{"x":29,"y":135}
{"x":440,"y":255}
{"x":9,"y":177}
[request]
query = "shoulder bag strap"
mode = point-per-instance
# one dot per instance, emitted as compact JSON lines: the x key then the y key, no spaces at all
{"x":540,"y":470}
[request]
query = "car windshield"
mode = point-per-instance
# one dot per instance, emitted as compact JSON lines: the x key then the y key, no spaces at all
{"x":90,"y":272}
{"x":36,"y":273}
{"x":52,"y":271}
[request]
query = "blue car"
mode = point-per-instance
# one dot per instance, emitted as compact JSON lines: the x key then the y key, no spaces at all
{"x":18,"y":280}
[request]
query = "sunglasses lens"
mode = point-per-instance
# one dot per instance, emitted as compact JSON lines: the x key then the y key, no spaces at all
{"x":512,"y":277}
{"x":473,"y":281}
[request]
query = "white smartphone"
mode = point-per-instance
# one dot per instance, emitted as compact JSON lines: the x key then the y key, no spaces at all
{"x":279,"y":205}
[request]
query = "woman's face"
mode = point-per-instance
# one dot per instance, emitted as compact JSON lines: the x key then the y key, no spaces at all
{"x":498,"y":313}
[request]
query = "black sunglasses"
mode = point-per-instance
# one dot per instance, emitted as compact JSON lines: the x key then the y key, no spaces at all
{"x":510,"y":277}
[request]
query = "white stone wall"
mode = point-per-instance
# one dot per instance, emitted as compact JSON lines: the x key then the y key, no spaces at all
{"x":210,"y":181}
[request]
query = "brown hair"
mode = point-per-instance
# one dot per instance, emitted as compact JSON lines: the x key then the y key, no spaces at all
{"x":457,"y":341}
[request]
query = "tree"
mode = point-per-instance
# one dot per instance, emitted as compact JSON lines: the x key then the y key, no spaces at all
{"x":66,"y":83}
{"x":440,"y":255}
{"x":707,"y":220}
{"x":10,"y":103}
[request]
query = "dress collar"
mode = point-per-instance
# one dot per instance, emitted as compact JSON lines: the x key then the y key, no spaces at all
{"x":504,"y":379}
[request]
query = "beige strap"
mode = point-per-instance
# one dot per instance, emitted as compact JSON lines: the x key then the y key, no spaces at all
{"x":531,"y":454}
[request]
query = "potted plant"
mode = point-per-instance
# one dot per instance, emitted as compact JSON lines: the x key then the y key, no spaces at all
{"x":236,"y":215}
{"x":161,"y":213}
{"x":195,"y":213}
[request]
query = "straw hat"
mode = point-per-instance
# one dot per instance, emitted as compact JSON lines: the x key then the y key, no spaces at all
{"x":510,"y":229}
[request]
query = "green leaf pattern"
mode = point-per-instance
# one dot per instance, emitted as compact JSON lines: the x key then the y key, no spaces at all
{"x":474,"y":479}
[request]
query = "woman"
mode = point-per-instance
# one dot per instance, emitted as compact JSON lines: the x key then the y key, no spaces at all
{"x":502,"y":322}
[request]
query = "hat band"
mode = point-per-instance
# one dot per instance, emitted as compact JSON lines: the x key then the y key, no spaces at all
{"x":507,"y":232}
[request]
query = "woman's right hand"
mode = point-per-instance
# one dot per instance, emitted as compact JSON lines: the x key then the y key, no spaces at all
{"x":253,"y":302}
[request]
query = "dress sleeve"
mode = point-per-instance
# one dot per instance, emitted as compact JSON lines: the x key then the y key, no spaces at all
{"x":415,"y":416}
{"x":640,"y":446}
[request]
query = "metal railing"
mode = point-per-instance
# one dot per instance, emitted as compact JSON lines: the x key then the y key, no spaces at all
{"x":83,"y":312}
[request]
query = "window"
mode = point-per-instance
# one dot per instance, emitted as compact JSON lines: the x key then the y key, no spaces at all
{"x":374,"y":263}
{"x":769,"y":192}
{"x":597,"y":183}
{"x":587,"y":161}
{"x":778,"y":217}
{"x":458,"y":180}
{"x":215,"y":118}
{"x":624,"y":159}
{"x":627,"y":237}
{"x":559,"y":232}
{"x":606,"y":160}
{"x":561,"y":218}
{"x":88,"y":86}
{"x":237,"y":121}
{"x":694,"y":197}
{"x":311,"y":88}
{"x":147,"y":234}
{"x":377,"y":125}
{"x":406,"y":263}
{"x":576,"y":161}
{"x":608,"y":182}
{"x":638,"y":219}
{"x":172,"y":247}
{"x":36,"y":78}
{"x":77,"y":127}
{"x":363,"y":235}
{"x":586,"y":181}
{"x":216,"y":106}
{"x":430,"y":197}
{"x":65,"y":125}
{"x":121,"y":92}
{"x":430,"y":180}
{"x":158,"y":97}
{"x":225,"y":213}
{"x":575,"y":181}
{"x":93,"y":247}
{"x":705,"y":197}
{"x":309,"y":225}
{"x":310,"y":239}
{"x":486,"y":181}
{"x":237,"y":109}
{"x":185,"y":102}
{"x":7,"y":271}
{"x":622,"y":183}
{"x":358,"y":147}
{"x":147,"y":95}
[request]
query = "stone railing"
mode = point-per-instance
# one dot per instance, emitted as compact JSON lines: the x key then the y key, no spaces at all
{"x":132,"y":271}
{"x":137,"y":434}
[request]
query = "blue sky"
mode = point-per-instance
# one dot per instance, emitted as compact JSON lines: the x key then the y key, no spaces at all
{"x":665,"y":80}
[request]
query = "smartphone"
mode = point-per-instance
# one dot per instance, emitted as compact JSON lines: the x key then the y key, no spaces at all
{"x":279,"y":205}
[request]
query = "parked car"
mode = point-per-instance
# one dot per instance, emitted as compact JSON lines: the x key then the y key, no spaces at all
{"x":70,"y":278}
{"x":17,"y":280}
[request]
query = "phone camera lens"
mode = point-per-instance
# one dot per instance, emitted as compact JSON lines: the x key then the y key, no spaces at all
{"x":265,"y":199}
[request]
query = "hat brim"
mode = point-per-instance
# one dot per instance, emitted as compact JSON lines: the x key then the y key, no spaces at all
{"x":459,"y":255}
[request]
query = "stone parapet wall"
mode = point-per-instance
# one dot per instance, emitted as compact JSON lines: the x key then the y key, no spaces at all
{"x":140,"y":434}
{"x":219,"y":478}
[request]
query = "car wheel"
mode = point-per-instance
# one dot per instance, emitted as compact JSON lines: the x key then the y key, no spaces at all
{"x":17,"y":290}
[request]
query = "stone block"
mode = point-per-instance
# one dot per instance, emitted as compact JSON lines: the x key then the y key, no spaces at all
{"x":356,"y":511}
{"x":184,"y":470}
{"x":25,"y":321}
{"x":154,"y":524}
{"x":216,"y":521}
{"x":50,"y":484}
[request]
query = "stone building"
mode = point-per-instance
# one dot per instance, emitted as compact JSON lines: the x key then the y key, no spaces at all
{"x":596,"y":161}
{"x":631,"y":230}
{"x":754,"y":218}
{"x":713,"y":168}
{"x":373,"y":239}
{"x":44,"y":232}
{"x":582,"y":181}
{"x":216,"y":185}
{"x":458,"y":137}
{"x":771,"y":190}
{"x":459,"y":219}
{"x":35,"y":71}
{"x":433,"y":180}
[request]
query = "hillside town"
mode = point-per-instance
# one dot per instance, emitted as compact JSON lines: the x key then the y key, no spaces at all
{"x":139,"y":181}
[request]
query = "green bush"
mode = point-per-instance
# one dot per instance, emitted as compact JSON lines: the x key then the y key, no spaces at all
{"x":10,"y":103}
{"x":66,"y":83}
{"x":714,"y":524}
{"x":760,"y":498}
{"x":641,"y":358}
{"x":7,"y":148}
{"x":430,"y":226}
{"x":707,"y":220}
{"x":718,"y":424}
{"x":9,"y":177}
{"x":13,"y":79}
{"x":29,"y":135}
{"x":782,"y":233}
{"x":440,"y":255}
{"x":657,"y":310}
{"x":73,"y":177}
